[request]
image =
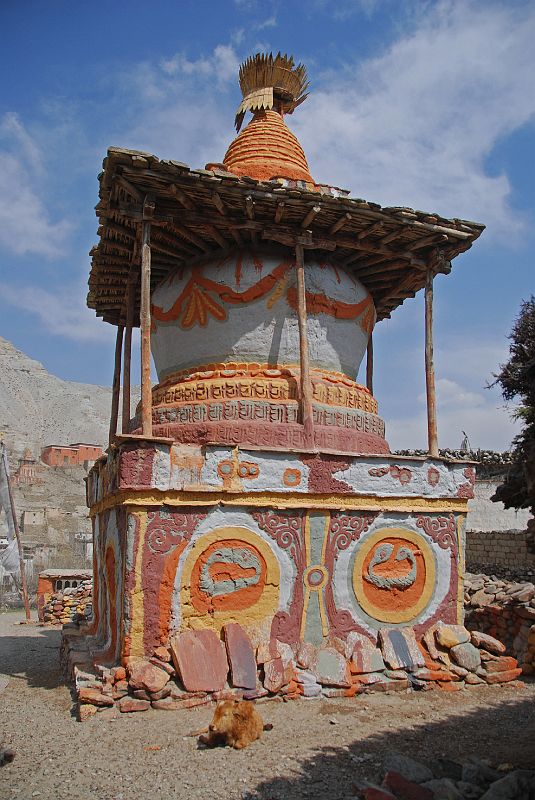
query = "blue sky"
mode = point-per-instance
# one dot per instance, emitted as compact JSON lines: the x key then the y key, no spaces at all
{"x":421,"y":104}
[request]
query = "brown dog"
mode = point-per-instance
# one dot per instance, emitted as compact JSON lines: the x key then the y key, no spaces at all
{"x":236,"y":723}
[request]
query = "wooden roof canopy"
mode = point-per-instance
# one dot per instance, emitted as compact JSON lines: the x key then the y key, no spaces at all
{"x":204,"y":214}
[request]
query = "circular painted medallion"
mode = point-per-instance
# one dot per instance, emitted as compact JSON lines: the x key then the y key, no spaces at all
{"x":227,"y":575}
{"x":394,"y":575}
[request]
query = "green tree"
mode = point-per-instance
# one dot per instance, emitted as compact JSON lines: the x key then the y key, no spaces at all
{"x":517,"y":381}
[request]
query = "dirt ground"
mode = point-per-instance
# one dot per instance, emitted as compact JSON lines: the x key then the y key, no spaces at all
{"x":317,"y":748}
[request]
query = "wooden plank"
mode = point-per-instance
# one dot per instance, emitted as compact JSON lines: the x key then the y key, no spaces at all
{"x":306,"y":394}
{"x":146,"y":389}
{"x":432,"y":435}
{"x":127,"y":360}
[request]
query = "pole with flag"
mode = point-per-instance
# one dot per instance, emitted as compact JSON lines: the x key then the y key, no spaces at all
{"x":8,"y":557}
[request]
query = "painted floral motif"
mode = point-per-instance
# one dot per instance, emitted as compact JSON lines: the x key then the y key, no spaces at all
{"x":440,"y":529}
{"x":286,"y":529}
{"x":165,"y":531}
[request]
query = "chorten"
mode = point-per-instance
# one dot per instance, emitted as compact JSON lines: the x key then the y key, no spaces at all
{"x":254,"y":483}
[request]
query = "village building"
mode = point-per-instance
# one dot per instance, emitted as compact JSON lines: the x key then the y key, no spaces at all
{"x":254,"y":484}
{"x":72,"y":455}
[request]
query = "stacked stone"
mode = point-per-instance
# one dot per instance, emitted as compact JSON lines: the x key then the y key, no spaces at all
{"x":443,"y":779}
{"x":506,"y":610}
{"x":73,"y":604}
{"x":198,"y":668}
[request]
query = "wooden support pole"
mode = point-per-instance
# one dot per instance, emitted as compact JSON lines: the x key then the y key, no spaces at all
{"x":127,"y":360}
{"x":22,"y":568}
{"x":146,"y":392}
{"x":432,"y":436}
{"x":369,"y":365}
{"x":116,"y":388}
{"x":307,"y":418}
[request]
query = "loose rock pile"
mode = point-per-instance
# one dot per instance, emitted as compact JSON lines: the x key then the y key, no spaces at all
{"x":198,"y":668}
{"x":506,"y":610}
{"x":442,"y":779}
{"x":70,"y":605}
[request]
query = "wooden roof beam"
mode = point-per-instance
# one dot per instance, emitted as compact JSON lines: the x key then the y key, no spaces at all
{"x":219,"y":204}
{"x":390,"y":237}
{"x":182,"y":197}
{"x":178,"y":230}
{"x":339,"y":224}
{"x":236,"y":236}
{"x":291,"y":239}
{"x":249,"y":206}
{"x":128,"y":187}
{"x":279,"y":211}
{"x":369,"y":230}
{"x":310,"y":217}
{"x":421,"y":243}
{"x":216,"y":236}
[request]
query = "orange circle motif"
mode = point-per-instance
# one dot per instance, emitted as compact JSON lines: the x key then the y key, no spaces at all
{"x":393,"y":574}
{"x":228,"y":575}
{"x":291,"y":477}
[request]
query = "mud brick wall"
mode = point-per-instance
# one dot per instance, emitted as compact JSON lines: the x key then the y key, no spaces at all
{"x":498,"y":548}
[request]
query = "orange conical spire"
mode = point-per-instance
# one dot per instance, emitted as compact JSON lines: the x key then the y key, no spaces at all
{"x":267,"y":148}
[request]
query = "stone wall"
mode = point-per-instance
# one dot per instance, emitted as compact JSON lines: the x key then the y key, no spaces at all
{"x":506,"y":549}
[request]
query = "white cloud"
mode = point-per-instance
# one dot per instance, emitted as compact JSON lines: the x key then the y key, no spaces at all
{"x":415,"y":125}
{"x":62,"y":312}
{"x":270,"y":22}
{"x":222,"y":64}
{"x":25,"y":223}
{"x":463,"y":402}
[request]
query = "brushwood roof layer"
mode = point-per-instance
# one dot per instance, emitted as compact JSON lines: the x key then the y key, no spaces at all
{"x":202,"y":215}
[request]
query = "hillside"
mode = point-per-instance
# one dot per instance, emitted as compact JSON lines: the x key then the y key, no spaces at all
{"x":37,"y":408}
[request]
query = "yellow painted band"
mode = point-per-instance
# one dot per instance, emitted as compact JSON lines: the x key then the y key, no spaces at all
{"x":344,"y":502}
{"x":395,"y":615}
{"x":137,"y":624}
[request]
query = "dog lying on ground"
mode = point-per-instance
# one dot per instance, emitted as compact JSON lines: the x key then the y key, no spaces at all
{"x":236,"y":723}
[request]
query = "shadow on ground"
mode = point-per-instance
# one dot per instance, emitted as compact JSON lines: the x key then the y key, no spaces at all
{"x":34,"y":657}
{"x":503,"y":733}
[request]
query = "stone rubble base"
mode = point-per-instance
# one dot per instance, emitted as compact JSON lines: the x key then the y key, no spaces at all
{"x":198,"y":668}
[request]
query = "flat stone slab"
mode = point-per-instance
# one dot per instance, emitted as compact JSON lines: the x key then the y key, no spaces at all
{"x":331,"y":668}
{"x":200,"y":660}
{"x":274,"y":675}
{"x":400,"y":649}
{"x":240,"y":655}
{"x":365,"y":656}
{"x":487,"y":642}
